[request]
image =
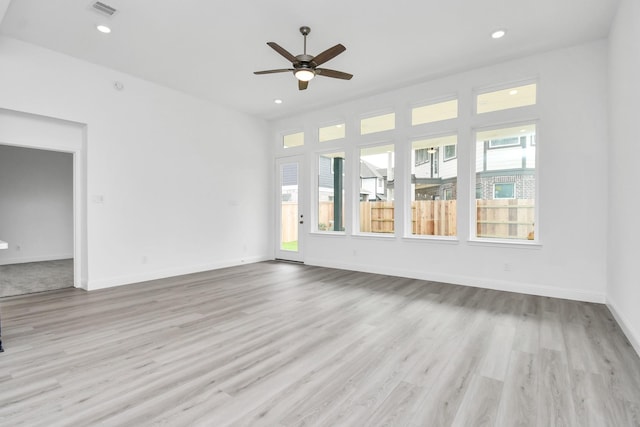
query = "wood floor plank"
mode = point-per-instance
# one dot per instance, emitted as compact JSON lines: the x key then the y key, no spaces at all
{"x":555,"y":400}
{"x":480,"y":404}
{"x":518,"y":405}
{"x":278,"y":344}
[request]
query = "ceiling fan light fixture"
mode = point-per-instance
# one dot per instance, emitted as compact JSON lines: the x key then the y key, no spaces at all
{"x":304,"y":74}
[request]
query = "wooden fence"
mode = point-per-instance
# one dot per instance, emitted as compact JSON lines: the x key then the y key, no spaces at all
{"x":289,"y":229}
{"x":503,"y":218}
{"x":428,"y":217}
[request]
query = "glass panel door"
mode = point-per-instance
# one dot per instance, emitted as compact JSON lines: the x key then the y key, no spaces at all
{"x":289,"y":214}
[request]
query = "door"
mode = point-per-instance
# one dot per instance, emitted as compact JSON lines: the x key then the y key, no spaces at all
{"x":290,"y":218}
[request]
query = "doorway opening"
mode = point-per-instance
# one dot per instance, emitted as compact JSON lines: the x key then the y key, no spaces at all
{"x":51,"y":137}
{"x":290,"y":209}
{"x":36,"y":195}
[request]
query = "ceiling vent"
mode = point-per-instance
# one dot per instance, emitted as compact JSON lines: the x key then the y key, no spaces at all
{"x":105,"y":9}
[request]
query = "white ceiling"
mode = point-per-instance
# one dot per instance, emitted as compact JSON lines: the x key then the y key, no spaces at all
{"x":211,"y":48}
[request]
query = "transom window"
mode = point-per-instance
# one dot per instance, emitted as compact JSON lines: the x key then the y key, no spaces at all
{"x":518,"y":96}
{"x":378,"y":123}
{"x":293,"y":140}
{"x":330,"y":133}
{"x":434,"y":112}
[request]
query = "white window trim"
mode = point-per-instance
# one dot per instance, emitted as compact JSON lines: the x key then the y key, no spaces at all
{"x":316,"y":193}
{"x":407,"y":187}
{"x":472,"y":188}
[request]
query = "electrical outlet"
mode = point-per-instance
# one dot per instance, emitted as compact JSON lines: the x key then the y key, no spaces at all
{"x":18,"y":247}
{"x":507,"y":267}
{"x":145,"y":259}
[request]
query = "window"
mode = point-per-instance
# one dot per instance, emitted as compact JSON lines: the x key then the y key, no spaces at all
{"x":293,"y":140}
{"x":447,"y":194}
{"x":378,"y":123}
{"x":329,"y":133}
{"x":505,"y":183}
{"x":504,"y":99}
{"x":433,"y":186}
{"x":449,"y":152}
{"x":331,"y":192}
{"x":434,"y":112}
{"x":504,"y":191}
{"x":504,"y":142}
{"x":376,"y":189}
{"x":422,"y":155}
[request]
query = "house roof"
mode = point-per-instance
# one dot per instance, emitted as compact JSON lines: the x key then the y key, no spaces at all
{"x":210,"y":49}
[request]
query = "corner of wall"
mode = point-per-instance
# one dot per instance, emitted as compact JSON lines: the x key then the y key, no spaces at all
{"x":627,"y":327}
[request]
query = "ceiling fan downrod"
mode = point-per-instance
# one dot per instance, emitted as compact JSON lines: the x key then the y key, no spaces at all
{"x":305,"y":31}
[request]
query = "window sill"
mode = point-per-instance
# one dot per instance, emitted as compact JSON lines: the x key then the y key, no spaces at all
{"x":436,"y":239}
{"x":328,"y":233}
{"x":376,"y":236}
{"x":504,"y":243}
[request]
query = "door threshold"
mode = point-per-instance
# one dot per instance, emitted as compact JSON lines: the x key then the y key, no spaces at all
{"x":290,"y":261}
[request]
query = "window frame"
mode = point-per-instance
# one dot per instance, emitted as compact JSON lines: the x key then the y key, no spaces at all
{"x":407,"y":190}
{"x":444,"y":152}
{"x":355,"y":198}
{"x":472,"y":238}
{"x":316,"y":193}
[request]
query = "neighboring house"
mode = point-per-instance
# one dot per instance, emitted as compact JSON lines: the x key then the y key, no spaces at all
{"x":373,"y":182}
{"x":289,"y":182}
{"x":505,"y":169}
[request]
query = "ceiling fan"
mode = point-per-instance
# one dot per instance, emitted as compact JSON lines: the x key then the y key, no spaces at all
{"x":305,"y":66}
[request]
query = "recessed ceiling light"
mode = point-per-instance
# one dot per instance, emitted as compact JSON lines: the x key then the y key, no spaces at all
{"x":278,"y":101}
{"x":103,"y":29}
{"x":498,"y":34}
{"x":513,"y":92}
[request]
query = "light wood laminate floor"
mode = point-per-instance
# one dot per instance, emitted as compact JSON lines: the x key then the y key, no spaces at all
{"x":277,"y":344}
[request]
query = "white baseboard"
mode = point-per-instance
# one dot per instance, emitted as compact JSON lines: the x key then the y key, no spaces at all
{"x":39,"y":258}
{"x":162,"y":274}
{"x":478,"y":282}
{"x":631,"y":333}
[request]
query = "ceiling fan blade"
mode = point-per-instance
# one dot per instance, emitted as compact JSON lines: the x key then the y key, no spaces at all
{"x":282,"y":70}
{"x":302,"y":85}
{"x":328,"y":54}
{"x":333,"y":73}
{"x":282,"y":51}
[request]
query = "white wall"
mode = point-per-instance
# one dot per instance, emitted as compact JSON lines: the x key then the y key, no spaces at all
{"x":175,"y":184}
{"x":36,"y":204}
{"x":571,"y":112}
{"x":623,"y":291}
